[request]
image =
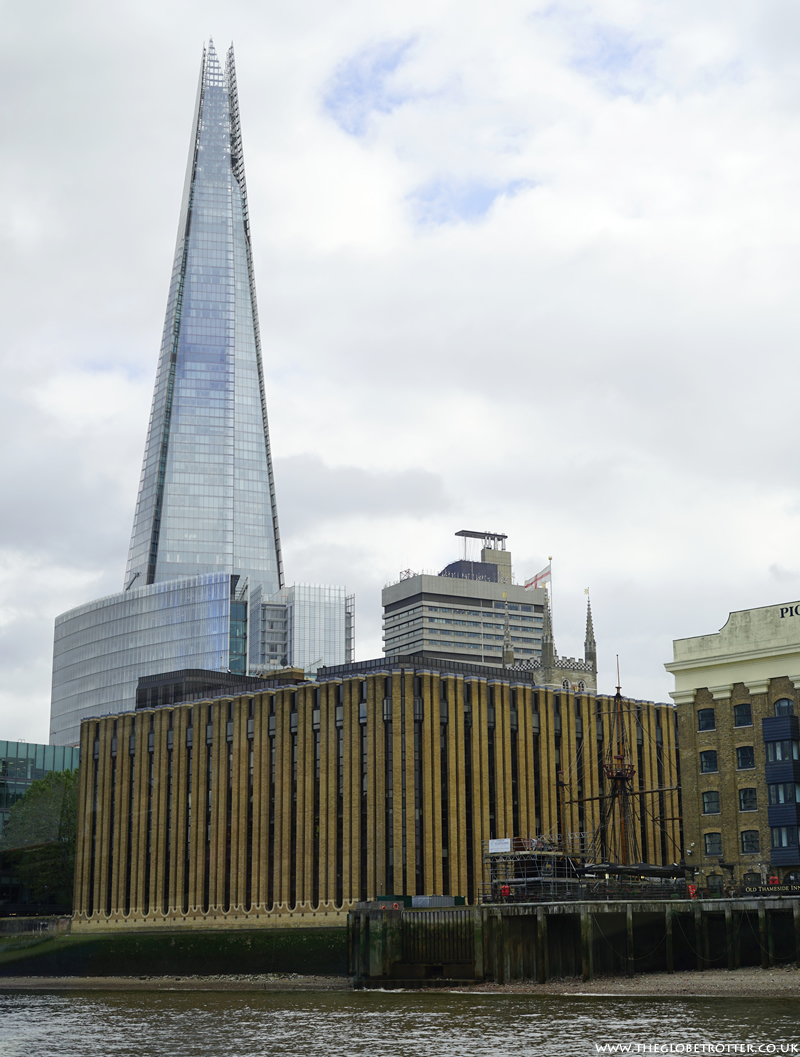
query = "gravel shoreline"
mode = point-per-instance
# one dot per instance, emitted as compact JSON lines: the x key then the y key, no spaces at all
{"x":779,"y":982}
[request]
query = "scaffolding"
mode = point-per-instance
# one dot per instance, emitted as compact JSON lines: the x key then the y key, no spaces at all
{"x":553,"y":867}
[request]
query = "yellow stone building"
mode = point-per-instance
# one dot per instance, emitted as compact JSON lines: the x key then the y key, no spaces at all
{"x":292,"y":804}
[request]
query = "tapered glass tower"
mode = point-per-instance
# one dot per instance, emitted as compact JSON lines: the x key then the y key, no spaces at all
{"x":204,"y":583}
{"x":206,"y":496}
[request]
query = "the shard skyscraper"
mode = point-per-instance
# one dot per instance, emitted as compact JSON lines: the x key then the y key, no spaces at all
{"x":204,"y":585}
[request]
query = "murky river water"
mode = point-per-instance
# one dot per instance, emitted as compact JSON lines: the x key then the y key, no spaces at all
{"x":375,"y":1024}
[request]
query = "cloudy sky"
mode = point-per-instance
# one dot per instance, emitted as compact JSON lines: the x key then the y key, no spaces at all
{"x":526,"y":267}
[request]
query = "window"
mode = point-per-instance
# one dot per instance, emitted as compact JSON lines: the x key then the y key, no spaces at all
{"x":752,"y":879}
{"x":784,"y":793}
{"x":742,"y":716}
{"x":705,"y":719}
{"x":714,"y":882}
{"x":748,"y":800}
{"x":784,"y":836}
{"x":749,"y":841}
{"x":713,"y":843}
{"x":745,"y":757}
{"x":784,"y":707}
{"x":780,"y":751}
{"x":708,"y":761}
{"x":711,"y":802}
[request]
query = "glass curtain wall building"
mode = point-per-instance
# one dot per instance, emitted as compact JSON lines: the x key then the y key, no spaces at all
{"x":204,"y":584}
{"x":21,"y":764}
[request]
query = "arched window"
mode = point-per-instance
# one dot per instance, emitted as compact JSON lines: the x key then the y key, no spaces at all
{"x":784,"y":707}
{"x":565,"y":684}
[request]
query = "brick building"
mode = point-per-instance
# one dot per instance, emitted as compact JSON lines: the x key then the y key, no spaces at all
{"x":736,"y":692}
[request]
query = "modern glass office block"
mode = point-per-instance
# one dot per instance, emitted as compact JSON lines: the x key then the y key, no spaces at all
{"x":317,"y":625}
{"x":102,"y":648}
{"x":206,"y":495}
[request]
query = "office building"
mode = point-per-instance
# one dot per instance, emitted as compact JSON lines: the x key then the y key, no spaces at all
{"x":736,"y":692}
{"x":204,"y":585}
{"x":385,"y":777}
{"x":472,"y":611}
{"x":21,"y":764}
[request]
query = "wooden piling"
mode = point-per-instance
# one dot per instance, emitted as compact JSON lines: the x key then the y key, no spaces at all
{"x":587,"y":959}
{"x":668,"y":916}
{"x":629,"y":924}
{"x":542,"y":953}
{"x":762,"y":935}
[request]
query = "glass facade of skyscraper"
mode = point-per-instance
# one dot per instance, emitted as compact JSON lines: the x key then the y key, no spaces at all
{"x":206,"y":498}
{"x":204,"y":584}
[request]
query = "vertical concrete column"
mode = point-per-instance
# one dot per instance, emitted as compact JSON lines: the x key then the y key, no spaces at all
{"x":523,"y":736}
{"x":480,"y":781}
{"x":354,"y":808}
{"x":177,"y":859}
{"x":430,"y":767}
{"x":351,"y":753}
{"x":411,"y":837}
{"x":587,"y":952}
{"x":547,"y":764}
{"x":508,"y":791}
{"x":83,"y":840}
{"x":648,"y":806}
{"x":301,"y":803}
{"x":397,"y":781}
{"x":260,"y":804}
{"x":139,"y":852}
{"x":327,"y":798}
{"x":158,"y":838}
{"x":501,"y":734}
{"x":457,"y":798}
{"x":698,"y":936}
{"x":102,"y":833}
{"x":283,"y":848}
{"x":629,"y":947}
{"x":334,"y":787}
{"x":376,"y":790}
{"x":198,"y":808}
{"x":440,"y":849}
{"x":542,"y":947}
{"x":308,"y":795}
{"x":569,"y":757}
{"x":240,"y":805}
{"x":796,"y":920}
{"x":216,"y":784}
{"x":770,"y":938}
{"x":122,"y":813}
{"x":762,"y":934}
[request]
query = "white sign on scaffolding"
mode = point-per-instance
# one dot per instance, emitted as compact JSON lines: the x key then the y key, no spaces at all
{"x":499,"y":844}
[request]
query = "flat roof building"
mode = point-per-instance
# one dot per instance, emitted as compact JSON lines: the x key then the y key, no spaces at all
{"x":288,"y":805}
{"x":737,"y":694}
{"x":472,"y":611}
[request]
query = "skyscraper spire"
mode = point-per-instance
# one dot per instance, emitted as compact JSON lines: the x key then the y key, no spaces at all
{"x":206,"y":495}
{"x":589,"y":645}
{"x":204,"y":585}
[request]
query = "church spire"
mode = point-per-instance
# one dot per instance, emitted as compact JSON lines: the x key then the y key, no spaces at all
{"x":548,"y":645}
{"x":589,"y":644}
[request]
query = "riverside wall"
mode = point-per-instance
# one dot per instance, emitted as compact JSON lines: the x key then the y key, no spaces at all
{"x":544,"y":941}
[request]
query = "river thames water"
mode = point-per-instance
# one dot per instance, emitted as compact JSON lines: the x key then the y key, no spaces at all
{"x":373,"y":1024}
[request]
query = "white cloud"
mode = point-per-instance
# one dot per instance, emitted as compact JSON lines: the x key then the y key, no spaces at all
{"x":536,"y":264}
